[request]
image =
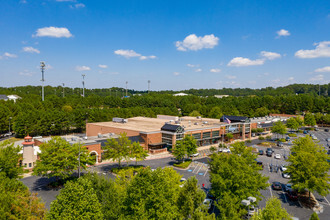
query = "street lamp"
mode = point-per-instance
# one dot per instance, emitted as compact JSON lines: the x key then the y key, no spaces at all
{"x":63,"y":89}
{"x":83,"y":82}
{"x":42,"y":67}
{"x":9,"y":123}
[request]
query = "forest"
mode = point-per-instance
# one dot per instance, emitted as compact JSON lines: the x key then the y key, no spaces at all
{"x":61,"y":114}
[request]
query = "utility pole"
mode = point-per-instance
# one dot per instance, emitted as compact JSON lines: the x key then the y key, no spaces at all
{"x":42,"y":67}
{"x":63,"y":89}
{"x":126,"y":88}
{"x":83,"y":83}
{"x":149,"y":86}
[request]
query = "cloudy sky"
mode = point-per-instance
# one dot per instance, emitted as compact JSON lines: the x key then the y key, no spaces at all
{"x":174,"y":44}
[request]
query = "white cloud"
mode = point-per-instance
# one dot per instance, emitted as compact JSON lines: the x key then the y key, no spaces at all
{"x":198,"y":70}
{"x":283,"y":33}
{"x":83,"y":68}
{"x":8,"y":55}
{"x":56,"y":32}
{"x":275,"y":81}
{"x":322,"y":70}
{"x":26,"y":73}
{"x":176,"y":73}
{"x":231,"y":77}
{"x":270,"y":55}
{"x":192,"y":65}
{"x":215,"y":70}
{"x":192,"y":42}
{"x":241,"y":61}
{"x":131,"y":53}
{"x":291,"y":78}
{"x":103,"y":66}
{"x":322,"y":50}
{"x":30,"y":50}
{"x":78,"y":5}
{"x":319,"y":77}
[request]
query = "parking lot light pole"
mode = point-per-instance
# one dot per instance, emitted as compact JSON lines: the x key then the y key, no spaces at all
{"x":42,"y":67}
{"x":9,"y":123}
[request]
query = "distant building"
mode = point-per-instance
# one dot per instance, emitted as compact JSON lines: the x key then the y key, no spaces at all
{"x":9,"y":97}
{"x":180,"y":94}
{"x":220,"y":96}
{"x":30,"y":153}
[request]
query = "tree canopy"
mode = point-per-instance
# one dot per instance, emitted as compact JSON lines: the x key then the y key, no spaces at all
{"x":59,"y":158}
{"x":272,"y":211}
{"x":117,"y":149}
{"x":9,"y":160}
{"x":309,"y":166}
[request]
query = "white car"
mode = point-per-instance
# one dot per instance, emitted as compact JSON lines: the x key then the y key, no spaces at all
{"x":283,"y":168}
{"x":182,"y":181}
{"x":251,"y":210}
{"x":226,"y":150}
{"x":194,"y":155}
{"x":286,"y":175}
{"x":208,"y":202}
{"x":277,"y":156}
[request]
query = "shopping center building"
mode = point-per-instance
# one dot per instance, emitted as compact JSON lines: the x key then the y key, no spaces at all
{"x":157,"y":134}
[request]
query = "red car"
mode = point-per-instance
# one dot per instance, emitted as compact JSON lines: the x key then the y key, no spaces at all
{"x":292,"y":195}
{"x":277,"y":186}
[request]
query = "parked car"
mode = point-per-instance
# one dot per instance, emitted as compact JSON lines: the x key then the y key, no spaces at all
{"x":287,"y":138}
{"x":269,"y":152}
{"x":208,"y":203}
{"x":314,"y":137}
{"x":283,"y":168}
{"x":326,"y":130}
{"x":292,"y":195}
{"x":182,"y":181}
{"x":261,"y":152}
{"x":279,"y":144}
{"x":277,"y":186}
{"x":316,"y":129}
{"x":251,"y":210}
{"x":194,"y":155}
{"x":260,"y":164}
{"x":327,"y":140}
{"x":305,"y":132}
{"x":226,"y":150}
{"x":277,"y":156}
{"x":286,"y":175}
{"x":287,"y":187}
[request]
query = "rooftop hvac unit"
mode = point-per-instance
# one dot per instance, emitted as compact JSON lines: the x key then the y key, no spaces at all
{"x":198,"y":117}
{"x":74,"y":139}
{"x":85,"y":138}
{"x":177,"y":122}
{"x":125,"y":120}
{"x":117,"y":119}
{"x":195,"y":123}
{"x":205,"y":122}
{"x":99,"y":135}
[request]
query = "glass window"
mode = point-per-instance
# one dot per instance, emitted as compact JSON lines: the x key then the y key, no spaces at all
{"x":30,"y":164}
{"x":197,"y":136}
{"x":206,"y":135}
{"x":215,"y":133}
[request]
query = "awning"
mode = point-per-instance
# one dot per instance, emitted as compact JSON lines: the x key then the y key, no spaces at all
{"x":157,"y":144}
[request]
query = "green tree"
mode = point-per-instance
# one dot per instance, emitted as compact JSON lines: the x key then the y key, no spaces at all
{"x":58,"y":158}
{"x":117,"y":149}
{"x":153,"y":195}
{"x":235,"y":177}
{"x":77,"y":200}
{"x":300,"y":121}
{"x":314,"y":216}
{"x":292,"y":124}
{"x":190,"y":144}
{"x":309,"y":119}
{"x":109,"y":194}
{"x":190,"y":198}
{"x":138,"y":152}
{"x":9,"y":160}
{"x":194,"y":113}
{"x":309,"y":166}
{"x":272,"y":211}
{"x":229,"y":136}
{"x":17,"y":202}
{"x":279,"y":128}
{"x":179,"y":151}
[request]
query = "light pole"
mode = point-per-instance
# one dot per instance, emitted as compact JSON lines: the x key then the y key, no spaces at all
{"x":126,"y":88}
{"x":9,"y":123}
{"x":83,"y":82}
{"x":149,"y":86}
{"x":63,"y":89}
{"x":42,"y":67}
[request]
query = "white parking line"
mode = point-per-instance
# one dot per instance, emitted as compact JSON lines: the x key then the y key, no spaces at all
{"x":195,"y":168}
{"x":205,"y":172}
{"x":199,"y":168}
{"x":326,"y":200}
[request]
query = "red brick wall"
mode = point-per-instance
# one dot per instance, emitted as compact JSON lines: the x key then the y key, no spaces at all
{"x":37,"y":142}
{"x":94,"y":130}
{"x":254,"y":125}
{"x":97,"y":148}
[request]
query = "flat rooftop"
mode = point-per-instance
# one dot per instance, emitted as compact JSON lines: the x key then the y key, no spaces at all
{"x":144,"y":124}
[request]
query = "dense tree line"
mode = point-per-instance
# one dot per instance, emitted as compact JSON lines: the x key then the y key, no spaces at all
{"x":58,"y":115}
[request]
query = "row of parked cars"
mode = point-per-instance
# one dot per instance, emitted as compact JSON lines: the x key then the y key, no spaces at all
{"x":291,"y":193}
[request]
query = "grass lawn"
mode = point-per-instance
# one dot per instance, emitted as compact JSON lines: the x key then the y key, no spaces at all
{"x":183,"y":165}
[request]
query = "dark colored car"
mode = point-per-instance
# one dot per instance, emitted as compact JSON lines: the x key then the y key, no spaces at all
{"x":287,"y":187}
{"x":269,"y":152}
{"x":261,"y":152}
{"x":287,"y":138}
{"x":292,"y":195}
{"x":277,"y":186}
{"x":326,"y":130}
{"x":305,"y":132}
{"x":260,"y":164}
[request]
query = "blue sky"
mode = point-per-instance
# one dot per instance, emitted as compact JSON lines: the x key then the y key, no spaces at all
{"x":175,"y":44}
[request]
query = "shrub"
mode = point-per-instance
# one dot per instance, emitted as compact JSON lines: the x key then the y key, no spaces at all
{"x":212,"y":149}
{"x":282,"y":140}
{"x":268,"y":137}
{"x":133,"y":168}
{"x":292,"y":135}
{"x":183,"y":165}
{"x":261,"y":138}
{"x":248,"y":141}
{"x":300,"y":131}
